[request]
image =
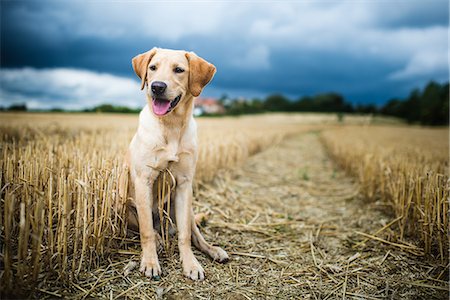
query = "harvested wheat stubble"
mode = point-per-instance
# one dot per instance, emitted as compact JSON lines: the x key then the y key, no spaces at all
{"x":287,"y":219}
{"x":60,"y":210}
{"x":407,"y":168}
{"x":289,"y":237}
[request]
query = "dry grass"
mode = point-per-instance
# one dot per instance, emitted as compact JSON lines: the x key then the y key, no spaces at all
{"x":289,"y":237}
{"x":406,"y":167}
{"x":60,"y":210}
{"x":63,"y":232}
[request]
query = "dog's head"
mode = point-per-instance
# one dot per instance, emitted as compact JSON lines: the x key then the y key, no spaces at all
{"x":170,"y":76}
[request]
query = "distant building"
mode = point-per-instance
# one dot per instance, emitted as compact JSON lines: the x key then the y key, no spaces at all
{"x":207,"y":106}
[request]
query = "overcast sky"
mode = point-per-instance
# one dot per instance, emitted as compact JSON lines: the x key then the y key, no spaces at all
{"x":75,"y":54}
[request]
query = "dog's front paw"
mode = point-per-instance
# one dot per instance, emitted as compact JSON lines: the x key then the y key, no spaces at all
{"x":150,"y":267}
{"x":193,"y":269}
{"x":219,"y":255}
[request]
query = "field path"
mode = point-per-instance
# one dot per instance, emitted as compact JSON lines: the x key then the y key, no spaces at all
{"x":289,"y":220}
{"x":318,"y":209}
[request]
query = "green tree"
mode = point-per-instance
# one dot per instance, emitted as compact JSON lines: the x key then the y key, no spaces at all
{"x":18,"y":107}
{"x":427,"y":107}
{"x":432,"y":104}
{"x":328,"y":102}
{"x":277,"y":102}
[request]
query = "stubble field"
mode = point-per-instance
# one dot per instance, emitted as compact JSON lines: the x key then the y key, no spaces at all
{"x":307,"y":207}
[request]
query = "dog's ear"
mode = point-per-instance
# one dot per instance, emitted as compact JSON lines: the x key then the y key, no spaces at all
{"x":140,"y":65}
{"x":200,"y":73}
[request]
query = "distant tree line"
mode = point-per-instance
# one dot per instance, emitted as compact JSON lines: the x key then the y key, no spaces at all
{"x":103,"y":108}
{"x":427,"y":107}
{"x":15,"y":107}
{"x":108,"y":108}
{"x":329,"y":102}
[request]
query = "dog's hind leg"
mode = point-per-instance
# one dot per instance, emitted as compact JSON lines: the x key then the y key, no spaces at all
{"x":216,"y":253}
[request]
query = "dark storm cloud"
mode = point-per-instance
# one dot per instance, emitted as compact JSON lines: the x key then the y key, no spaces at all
{"x":369,"y":51}
{"x":312,"y":72}
{"x":23,"y":45}
{"x":417,"y":14}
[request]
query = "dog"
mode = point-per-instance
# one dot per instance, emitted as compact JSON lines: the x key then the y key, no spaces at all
{"x":166,"y":139}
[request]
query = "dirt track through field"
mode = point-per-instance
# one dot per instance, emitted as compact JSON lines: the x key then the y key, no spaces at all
{"x":289,"y":219}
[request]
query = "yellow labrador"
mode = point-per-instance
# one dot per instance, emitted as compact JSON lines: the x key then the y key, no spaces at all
{"x":167,"y":138}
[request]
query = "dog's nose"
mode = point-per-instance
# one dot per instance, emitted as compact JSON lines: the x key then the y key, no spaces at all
{"x":158,"y":87}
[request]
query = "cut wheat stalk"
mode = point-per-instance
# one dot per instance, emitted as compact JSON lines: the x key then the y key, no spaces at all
{"x":407,"y":247}
{"x":378,"y":231}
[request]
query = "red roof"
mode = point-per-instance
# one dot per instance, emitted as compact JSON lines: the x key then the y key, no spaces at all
{"x":206,"y":102}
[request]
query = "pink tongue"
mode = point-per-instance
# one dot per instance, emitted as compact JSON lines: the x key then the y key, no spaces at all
{"x":160,"y":107}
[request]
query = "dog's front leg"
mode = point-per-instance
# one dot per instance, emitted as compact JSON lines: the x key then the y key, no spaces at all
{"x":149,"y":261}
{"x":183,"y":209}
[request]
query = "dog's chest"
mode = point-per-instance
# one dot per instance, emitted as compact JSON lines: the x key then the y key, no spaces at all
{"x":163,"y":155}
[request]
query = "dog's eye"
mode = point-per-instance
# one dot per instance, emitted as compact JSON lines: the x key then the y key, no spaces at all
{"x":153,"y":68}
{"x":178,"y":70}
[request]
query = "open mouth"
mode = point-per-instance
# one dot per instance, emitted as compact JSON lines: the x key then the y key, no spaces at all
{"x":163,"y":106}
